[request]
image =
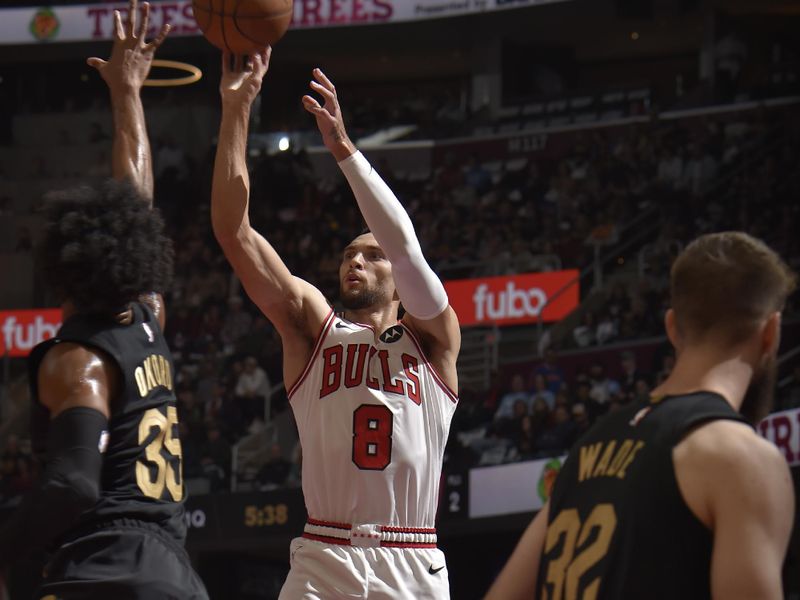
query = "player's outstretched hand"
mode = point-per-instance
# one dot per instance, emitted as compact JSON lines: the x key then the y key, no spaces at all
{"x":241,"y":81}
{"x":131,"y":57}
{"x":329,"y":114}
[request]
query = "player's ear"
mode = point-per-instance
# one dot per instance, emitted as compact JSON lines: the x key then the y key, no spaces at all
{"x":671,"y":328}
{"x":771,"y":334}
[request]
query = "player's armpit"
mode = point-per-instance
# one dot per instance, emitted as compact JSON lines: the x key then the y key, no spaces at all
{"x":518,"y":579}
{"x":740,"y":486}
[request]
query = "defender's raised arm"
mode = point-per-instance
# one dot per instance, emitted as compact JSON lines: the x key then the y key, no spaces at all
{"x":125,"y":72}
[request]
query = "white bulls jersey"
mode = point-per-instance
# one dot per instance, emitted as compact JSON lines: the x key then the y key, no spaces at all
{"x":373,"y":417}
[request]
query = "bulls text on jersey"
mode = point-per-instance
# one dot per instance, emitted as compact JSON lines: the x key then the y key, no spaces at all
{"x":350,"y":366}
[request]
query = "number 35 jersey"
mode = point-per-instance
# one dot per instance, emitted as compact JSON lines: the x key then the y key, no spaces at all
{"x":373,"y":418}
{"x":142,"y":475}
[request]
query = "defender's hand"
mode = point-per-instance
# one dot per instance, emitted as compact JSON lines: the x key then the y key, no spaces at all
{"x":131,"y":57}
{"x":329,"y":116}
{"x":241,"y":81}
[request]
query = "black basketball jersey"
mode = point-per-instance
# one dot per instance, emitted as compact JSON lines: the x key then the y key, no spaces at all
{"x":142,"y":476}
{"x":618,"y":527}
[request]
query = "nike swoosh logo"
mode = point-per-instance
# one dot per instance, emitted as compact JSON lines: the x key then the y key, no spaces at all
{"x":341,"y":326}
{"x":433,"y":571}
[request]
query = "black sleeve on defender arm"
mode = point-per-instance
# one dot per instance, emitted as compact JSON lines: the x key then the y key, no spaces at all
{"x":69,"y":485}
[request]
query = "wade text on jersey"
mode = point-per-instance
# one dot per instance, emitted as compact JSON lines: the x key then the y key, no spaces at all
{"x":607,"y":459}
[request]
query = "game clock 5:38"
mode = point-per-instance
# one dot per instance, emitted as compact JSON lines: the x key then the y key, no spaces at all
{"x":267,"y":515}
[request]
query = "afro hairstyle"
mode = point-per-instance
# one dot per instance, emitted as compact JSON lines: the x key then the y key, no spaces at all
{"x":103,"y":246}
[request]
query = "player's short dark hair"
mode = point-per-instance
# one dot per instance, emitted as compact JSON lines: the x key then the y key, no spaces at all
{"x":726,"y":283}
{"x":104,"y":246}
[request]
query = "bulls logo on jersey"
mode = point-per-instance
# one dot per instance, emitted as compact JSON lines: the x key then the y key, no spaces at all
{"x":392,"y":334}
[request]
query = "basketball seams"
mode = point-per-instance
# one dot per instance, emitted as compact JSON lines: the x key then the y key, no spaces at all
{"x":195,"y":8}
{"x":241,"y":32}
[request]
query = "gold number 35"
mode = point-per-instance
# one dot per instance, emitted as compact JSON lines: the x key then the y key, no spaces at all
{"x":564,"y":572}
{"x":166,"y":475}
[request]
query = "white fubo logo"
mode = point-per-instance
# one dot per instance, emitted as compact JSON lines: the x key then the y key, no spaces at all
{"x":508,"y":303}
{"x":24,"y":337}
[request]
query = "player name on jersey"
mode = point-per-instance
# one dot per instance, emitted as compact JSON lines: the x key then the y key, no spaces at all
{"x":613,"y":461}
{"x":154,"y":371}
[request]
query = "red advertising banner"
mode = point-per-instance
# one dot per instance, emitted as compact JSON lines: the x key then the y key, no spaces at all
{"x":21,"y":330}
{"x":514,"y":299}
{"x":783,"y":430}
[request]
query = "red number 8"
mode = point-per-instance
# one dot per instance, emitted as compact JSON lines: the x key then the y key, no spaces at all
{"x":372,"y":437}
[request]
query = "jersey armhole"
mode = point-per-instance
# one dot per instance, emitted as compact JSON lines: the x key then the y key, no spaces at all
{"x":436,"y":377}
{"x":323,"y":332}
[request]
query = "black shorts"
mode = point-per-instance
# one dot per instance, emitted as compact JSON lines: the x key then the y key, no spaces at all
{"x":122,"y":560}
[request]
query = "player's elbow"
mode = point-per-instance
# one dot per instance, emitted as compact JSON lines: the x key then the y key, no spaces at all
{"x":72,"y":494}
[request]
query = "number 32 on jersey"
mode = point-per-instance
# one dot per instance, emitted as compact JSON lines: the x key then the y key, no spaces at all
{"x":576,"y":547}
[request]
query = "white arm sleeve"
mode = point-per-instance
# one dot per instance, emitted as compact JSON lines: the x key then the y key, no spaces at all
{"x":420,"y":290}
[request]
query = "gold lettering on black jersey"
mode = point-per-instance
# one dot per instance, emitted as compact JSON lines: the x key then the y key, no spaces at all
{"x":614,"y":461}
{"x":153,"y":372}
{"x":588,"y":458}
{"x":629,"y":459}
{"x":601,"y":467}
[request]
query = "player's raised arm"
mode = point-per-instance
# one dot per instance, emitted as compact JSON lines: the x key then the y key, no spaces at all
{"x":295,"y":307}
{"x":420,"y":290}
{"x":125,"y":72}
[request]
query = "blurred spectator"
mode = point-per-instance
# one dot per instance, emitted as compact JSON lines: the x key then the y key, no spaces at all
{"x":16,"y":475}
{"x":603,"y":388}
{"x":252,"y":390}
{"x":580,"y":416}
{"x":558,"y":435}
{"x":630,"y":374}
{"x":275,"y":471}
{"x":584,"y":334}
{"x":541,"y":392}
{"x":215,"y":457}
{"x":236,"y":324}
{"x":552,"y":373}
{"x":509,"y":400}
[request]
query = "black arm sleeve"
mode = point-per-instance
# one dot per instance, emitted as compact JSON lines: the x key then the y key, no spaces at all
{"x":69,"y":485}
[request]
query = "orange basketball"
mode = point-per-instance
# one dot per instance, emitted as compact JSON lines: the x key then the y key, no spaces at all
{"x":242,"y":26}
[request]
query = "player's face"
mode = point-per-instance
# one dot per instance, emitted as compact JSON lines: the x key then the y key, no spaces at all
{"x":365,"y":275}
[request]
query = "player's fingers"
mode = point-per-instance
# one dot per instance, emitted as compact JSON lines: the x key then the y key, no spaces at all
{"x":323,"y":79}
{"x":311,"y":105}
{"x":131,"y":23}
{"x":323,"y":91}
{"x":145,"y":21}
{"x":256,"y":64}
{"x":119,"y":31}
{"x":95,"y":62}
{"x":266,"y":54}
{"x":226,"y":62}
{"x":159,"y":39}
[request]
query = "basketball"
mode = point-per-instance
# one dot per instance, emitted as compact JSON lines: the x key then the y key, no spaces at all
{"x":242,"y":26}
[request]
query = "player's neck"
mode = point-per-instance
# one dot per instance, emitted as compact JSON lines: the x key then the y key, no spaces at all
{"x":380,"y":318}
{"x":727,"y":373}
